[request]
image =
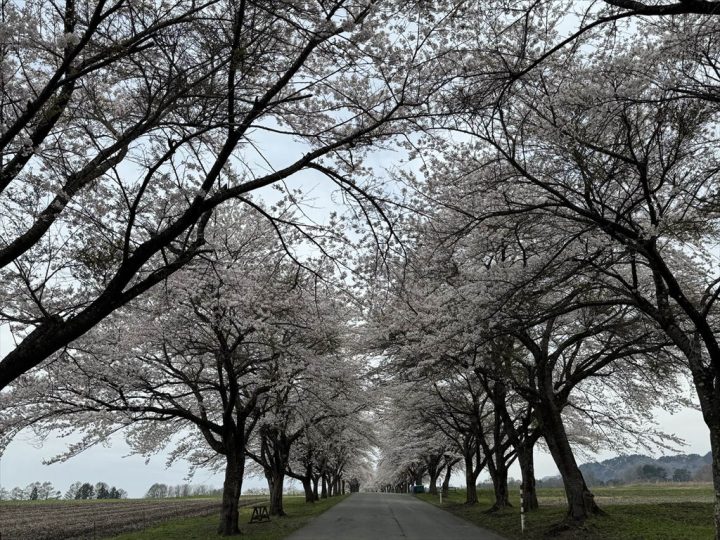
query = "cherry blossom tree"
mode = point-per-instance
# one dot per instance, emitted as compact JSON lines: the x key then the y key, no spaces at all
{"x":410,"y":444}
{"x":194,"y":359}
{"x":322,"y":455}
{"x":126,"y":123}
{"x":630,"y":160}
{"x":455,"y":410}
{"x":482,"y":278}
{"x":311,"y":391}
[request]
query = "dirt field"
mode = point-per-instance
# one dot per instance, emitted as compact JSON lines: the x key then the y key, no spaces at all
{"x":58,"y":520}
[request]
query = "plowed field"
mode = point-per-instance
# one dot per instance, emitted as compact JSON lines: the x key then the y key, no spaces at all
{"x":94,"y":519}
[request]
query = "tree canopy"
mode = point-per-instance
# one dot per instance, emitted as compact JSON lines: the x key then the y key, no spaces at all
{"x":518,"y":247}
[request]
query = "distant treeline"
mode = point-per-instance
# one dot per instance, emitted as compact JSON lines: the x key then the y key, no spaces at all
{"x":162,"y":491}
{"x":37,"y":491}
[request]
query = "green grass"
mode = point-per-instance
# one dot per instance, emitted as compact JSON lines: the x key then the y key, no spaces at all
{"x":642,"y":512}
{"x":638,"y":493}
{"x":299,"y":514}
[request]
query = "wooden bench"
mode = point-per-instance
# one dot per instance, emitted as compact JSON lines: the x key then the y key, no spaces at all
{"x":260,"y":513}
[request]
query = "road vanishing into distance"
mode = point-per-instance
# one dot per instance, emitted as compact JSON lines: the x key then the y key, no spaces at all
{"x":389,"y":516}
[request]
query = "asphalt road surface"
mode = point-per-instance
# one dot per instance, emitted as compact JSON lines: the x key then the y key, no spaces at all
{"x":389,"y":516}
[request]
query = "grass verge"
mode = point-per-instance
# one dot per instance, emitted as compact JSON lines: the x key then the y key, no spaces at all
{"x":299,"y":513}
{"x":644,"y":513}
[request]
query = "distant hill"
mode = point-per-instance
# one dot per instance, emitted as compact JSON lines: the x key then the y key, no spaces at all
{"x":629,"y":468}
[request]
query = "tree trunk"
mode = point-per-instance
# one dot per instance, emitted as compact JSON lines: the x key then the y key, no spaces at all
{"x":581,"y":501}
{"x":470,"y":478}
{"x":446,"y":480}
{"x":434,"y":473}
{"x":307,"y":487}
{"x":499,"y":474}
{"x":324,"y":493}
{"x":342,"y":489}
{"x":315,"y":481}
{"x":276,"y":481}
{"x":232,"y":487}
{"x":715,"y":447}
{"x":496,"y":455}
{"x":710,"y":406}
{"x":527,"y":470}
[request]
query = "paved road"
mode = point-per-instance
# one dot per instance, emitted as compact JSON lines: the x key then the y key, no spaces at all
{"x":389,"y":516}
